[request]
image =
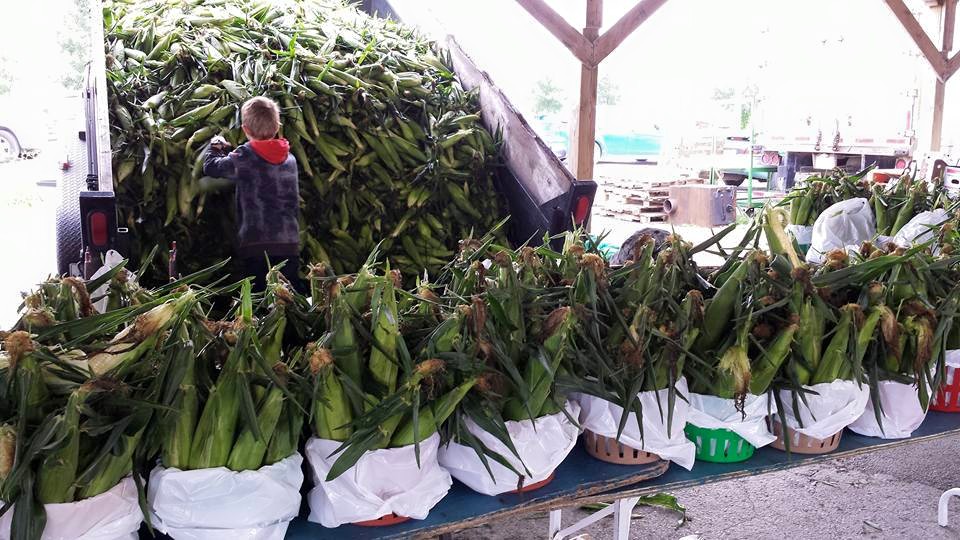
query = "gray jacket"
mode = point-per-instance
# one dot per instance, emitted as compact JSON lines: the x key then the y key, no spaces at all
{"x":267,"y":197}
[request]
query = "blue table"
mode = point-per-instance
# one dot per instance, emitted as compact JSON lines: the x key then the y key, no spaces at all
{"x":582,"y":480}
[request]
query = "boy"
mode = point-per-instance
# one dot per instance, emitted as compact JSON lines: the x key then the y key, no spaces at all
{"x":267,"y":192}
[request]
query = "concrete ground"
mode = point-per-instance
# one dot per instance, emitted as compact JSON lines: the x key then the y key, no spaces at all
{"x":887,"y":494}
{"x":28,"y":202}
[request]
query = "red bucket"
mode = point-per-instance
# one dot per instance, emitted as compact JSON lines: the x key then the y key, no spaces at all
{"x":947,"y":399}
{"x":383,"y":521}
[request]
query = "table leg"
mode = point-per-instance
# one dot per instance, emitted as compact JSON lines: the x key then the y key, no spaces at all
{"x":554,"y":527}
{"x":943,"y":508}
{"x":622,"y":514}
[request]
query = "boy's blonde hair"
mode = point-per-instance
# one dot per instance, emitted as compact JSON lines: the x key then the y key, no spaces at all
{"x":261,"y":117}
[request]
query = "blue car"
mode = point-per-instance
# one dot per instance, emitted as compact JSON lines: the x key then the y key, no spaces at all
{"x":616,"y":138}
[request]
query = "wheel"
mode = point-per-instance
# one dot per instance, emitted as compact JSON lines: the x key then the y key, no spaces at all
{"x":9,"y":145}
{"x":597,"y":152}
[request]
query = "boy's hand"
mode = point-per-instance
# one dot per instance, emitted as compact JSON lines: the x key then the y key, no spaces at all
{"x":219,"y":143}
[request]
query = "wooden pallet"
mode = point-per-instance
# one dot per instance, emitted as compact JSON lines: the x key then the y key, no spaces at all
{"x":638,"y":217}
{"x":646,"y":185}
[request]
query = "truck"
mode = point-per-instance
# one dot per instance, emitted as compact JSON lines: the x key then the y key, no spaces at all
{"x":849,"y":130}
{"x":542,"y":196}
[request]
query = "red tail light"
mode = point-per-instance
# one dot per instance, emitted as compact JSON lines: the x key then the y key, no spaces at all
{"x":581,"y":211}
{"x":98,"y":229}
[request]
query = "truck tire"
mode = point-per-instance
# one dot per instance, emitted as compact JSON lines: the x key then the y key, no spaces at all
{"x":72,"y":182}
{"x":9,"y":145}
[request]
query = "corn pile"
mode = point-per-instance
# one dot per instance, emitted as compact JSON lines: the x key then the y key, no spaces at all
{"x":389,"y":146}
{"x":893,"y":204}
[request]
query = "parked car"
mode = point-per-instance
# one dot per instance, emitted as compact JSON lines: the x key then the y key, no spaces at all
{"x":617,"y":137}
{"x":21,"y":129}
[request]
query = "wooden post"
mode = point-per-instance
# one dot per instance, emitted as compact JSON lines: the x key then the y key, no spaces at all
{"x":590,"y":48}
{"x":584,"y":129}
{"x":941,"y":62}
{"x":936,"y":126}
{"x":948,"y":11}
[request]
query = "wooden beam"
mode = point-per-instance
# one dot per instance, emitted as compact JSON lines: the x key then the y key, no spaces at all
{"x":949,"y":23}
{"x":631,"y":20}
{"x":585,"y":126}
{"x":952,"y":66}
{"x":936,"y":128}
{"x":919,"y":36}
{"x":560,"y":28}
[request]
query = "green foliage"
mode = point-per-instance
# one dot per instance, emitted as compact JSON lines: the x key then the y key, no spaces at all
{"x":74,"y":39}
{"x":608,"y":92}
{"x":549,"y":97}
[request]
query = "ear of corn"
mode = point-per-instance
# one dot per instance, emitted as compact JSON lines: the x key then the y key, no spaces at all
{"x":383,"y":363}
{"x":216,"y":428}
{"x":249,"y":450}
{"x":56,"y":481}
{"x":183,"y":423}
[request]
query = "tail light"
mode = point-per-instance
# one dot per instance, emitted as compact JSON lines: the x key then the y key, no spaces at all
{"x":97,"y":225}
{"x":581,"y":209}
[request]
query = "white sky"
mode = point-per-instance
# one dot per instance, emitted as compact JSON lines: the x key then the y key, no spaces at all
{"x":29,"y":41}
{"x":813,"y":56}
{"x":849,"y":56}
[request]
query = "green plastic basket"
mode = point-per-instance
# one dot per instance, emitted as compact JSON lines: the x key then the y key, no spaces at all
{"x":719,"y":445}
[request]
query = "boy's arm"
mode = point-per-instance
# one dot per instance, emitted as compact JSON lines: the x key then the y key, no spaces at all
{"x":218,"y":162}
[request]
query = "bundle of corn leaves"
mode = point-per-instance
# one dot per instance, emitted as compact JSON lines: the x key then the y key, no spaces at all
{"x":378,"y":123}
{"x":75,"y":418}
{"x":819,"y":192}
{"x":369,"y":390}
{"x":234,"y":393}
{"x":641,"y":323}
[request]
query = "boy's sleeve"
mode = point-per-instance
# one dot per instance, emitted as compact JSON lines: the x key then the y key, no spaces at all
{"x":219,"y":164}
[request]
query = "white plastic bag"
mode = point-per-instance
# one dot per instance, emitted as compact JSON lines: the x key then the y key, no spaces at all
{"x":920,"y":229}
{"x":113,"y":515}
{"x":542,"y":449}
{"x":220,"y":504}
{"x":712,"y":412}
{"x":902,"y":413}
{"x":669,"y":442}
{"x":381,"y":482}
{"x":846,"y":223}
{"x":952,"y":358}
{"x":835,"y":406}
{"x":803,"y":234}
{"x":110,"y":260}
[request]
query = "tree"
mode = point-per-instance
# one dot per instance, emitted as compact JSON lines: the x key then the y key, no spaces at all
{"x":608,"y":92}
{"x":548,"y":97}
{"x":5,"y":77}
{"x":74,"y":38}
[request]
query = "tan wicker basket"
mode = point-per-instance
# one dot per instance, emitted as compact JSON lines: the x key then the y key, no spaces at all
{"x":611,"y":451}
{"x":802,"y":444}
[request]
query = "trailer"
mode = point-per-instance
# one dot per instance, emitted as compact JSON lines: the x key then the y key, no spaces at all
{"x":542,"y":196}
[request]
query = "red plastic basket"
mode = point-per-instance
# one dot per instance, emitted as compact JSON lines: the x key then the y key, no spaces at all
{"x":947,"y":399}
{"x":383,"y":521}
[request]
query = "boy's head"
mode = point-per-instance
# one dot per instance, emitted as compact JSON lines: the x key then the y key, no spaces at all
{"x":260,"y":118}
